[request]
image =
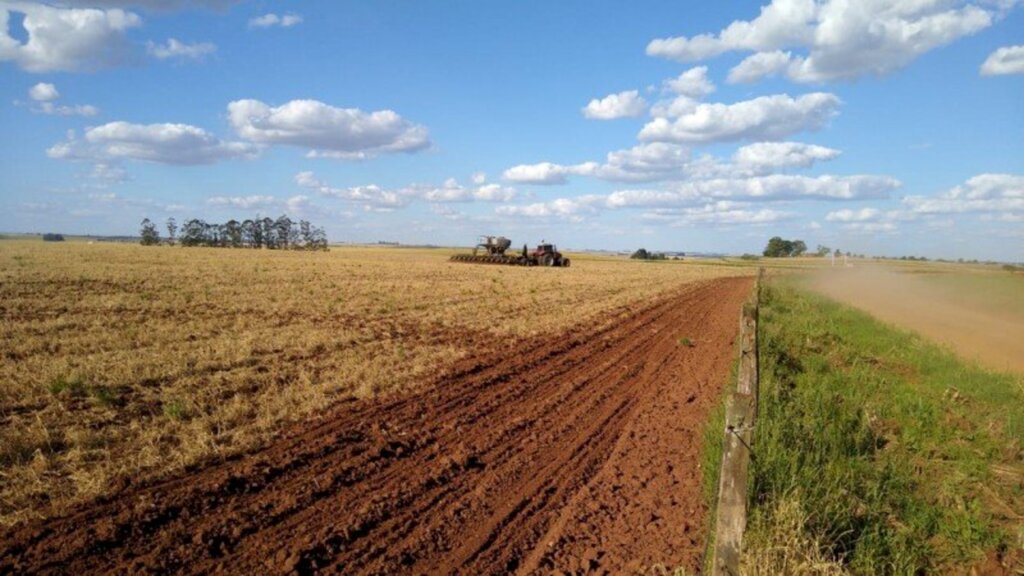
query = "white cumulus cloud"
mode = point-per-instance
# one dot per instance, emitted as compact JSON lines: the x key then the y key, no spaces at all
{"x":452,"y":191}
{"x":179,"y":144}
{"x":44,"y":96}
{"x":666,"y":161}
{"x":43,"y":92}
{"x":841,"y":39}
{"x":271,"y":20}
{"x":629,"y":104}
{"x":327,"y":131}
{"x":720,"y":213}
{"x":66,"y":39}
{"x":63,"y":110}
{"x":244,"y":202}
{"x":760,"y":65}
{"x":371,"y":197}
{"x":544,"y":173}
{"x":108,"y":174}
{"x":763,"y":118}
{"x":768,"y":156}
{"x":573,"y":209}
{"x":984,"y":193}
{"x":848,"y":215}
{"x":174,"y":48}
{"x":989,"y":197}
{"x":298,"y":204}
{"x":674,"y":108}
{"x":642,"y":163}
{"x":1006,"y":60}
{"x":693,"y":83}
{"x":718,"y":201}
{"x":156,"y":5}
{"x":374,"y":197}
{"x":773,"y":187}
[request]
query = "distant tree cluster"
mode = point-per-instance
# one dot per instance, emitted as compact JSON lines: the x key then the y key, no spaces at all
{"x":149,"y":234}
{"x":53,"y":237}
{"x":643,"y":254}
{"x":779,"y":248}
{"x":280,"y":234}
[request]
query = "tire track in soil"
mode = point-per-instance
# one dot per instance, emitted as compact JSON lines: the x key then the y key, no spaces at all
{"x":577,"y":453}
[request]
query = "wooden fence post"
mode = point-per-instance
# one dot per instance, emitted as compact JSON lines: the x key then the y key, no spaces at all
{"x":740,"y":413}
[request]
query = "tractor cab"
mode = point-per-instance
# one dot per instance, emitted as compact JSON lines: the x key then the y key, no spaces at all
{"x":545,"y":249}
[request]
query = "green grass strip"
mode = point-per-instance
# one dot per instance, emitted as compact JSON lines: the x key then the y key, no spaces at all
{"x":876,"y":451}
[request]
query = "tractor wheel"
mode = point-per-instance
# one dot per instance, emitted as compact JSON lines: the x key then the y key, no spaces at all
{"x":547,"y":260}
{"x":565,"y":262}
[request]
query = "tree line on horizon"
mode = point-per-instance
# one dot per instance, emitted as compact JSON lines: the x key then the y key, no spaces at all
{"x":282,"y":233}
{"x":643,"y":254}
{"x":779,"y":247}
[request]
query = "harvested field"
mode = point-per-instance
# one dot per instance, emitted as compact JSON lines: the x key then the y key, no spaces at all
{"x":570,"y":452}
{"x":122,"y":361}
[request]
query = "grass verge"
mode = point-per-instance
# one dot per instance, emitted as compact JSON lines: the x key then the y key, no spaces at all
{"x":711,"y":461}
{"x":877,"y":452}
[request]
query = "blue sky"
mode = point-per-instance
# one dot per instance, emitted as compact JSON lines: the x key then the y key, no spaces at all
{"x":882,"y":127}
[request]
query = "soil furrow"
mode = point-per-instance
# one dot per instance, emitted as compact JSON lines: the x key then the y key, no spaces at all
{"x":574,"y":453}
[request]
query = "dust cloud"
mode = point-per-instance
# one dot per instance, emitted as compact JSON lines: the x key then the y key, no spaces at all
{"x":912,"y":299}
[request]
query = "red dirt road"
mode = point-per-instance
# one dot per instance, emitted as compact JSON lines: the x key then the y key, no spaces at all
{"x":580,"y":454}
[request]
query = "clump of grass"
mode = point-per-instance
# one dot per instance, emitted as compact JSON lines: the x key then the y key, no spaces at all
{"x":685,"y":341}
{"x":20,"y":444}
{"x":860,"y":456}
{"x":780,"y":542}
{"x":74,"y":386}
{"x":105,"y":395}
{"x":175,"y":409}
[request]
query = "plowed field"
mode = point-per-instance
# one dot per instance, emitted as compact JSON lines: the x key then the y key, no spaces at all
{"x":576,"y":452}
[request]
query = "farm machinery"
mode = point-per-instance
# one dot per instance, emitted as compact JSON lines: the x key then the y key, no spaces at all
{"x":494,"y":250}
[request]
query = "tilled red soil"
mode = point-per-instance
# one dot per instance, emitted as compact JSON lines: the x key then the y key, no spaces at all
{"x":578,"y":454}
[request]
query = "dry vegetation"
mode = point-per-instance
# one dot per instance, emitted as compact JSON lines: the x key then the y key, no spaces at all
{"x":123,"y":361}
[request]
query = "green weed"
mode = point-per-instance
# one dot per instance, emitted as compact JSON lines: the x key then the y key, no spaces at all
{"x":74,"y":385}
{"x":175,"y":409}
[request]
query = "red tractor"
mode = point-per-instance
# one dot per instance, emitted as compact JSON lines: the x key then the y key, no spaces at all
{"x":548,"y":255}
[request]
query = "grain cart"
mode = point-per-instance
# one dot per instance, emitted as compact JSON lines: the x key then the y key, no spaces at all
{"x":492,"y":245}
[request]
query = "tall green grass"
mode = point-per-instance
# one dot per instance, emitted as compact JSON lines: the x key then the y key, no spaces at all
{"x":876,"y":451}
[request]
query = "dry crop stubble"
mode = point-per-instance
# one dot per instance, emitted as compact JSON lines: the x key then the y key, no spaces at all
{"x":126,"y":361}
